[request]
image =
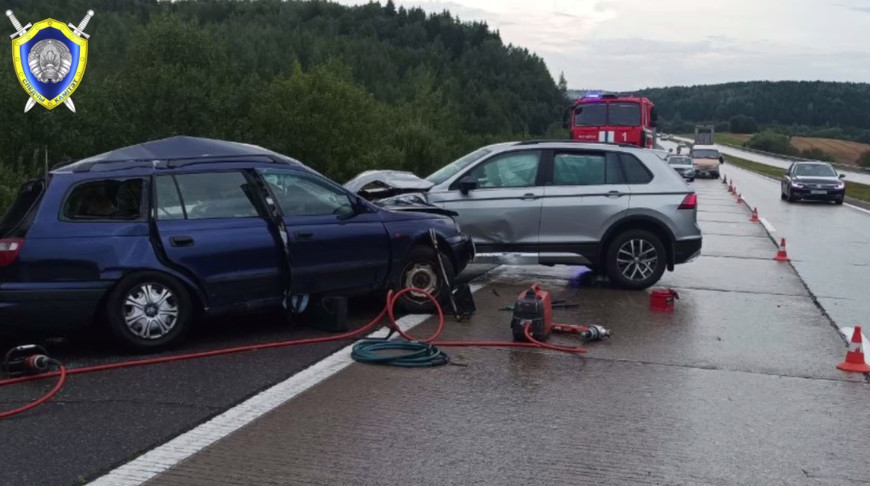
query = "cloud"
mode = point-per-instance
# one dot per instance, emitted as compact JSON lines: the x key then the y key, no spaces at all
{"x":629,"y":44}
{"x":856,"y":8}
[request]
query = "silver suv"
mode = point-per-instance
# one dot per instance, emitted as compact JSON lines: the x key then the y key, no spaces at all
{"x":609,"y":207}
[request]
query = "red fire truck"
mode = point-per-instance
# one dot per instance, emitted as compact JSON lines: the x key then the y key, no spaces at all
{"x":613,"y":119}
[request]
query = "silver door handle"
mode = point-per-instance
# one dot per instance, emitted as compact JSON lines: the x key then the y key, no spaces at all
{"x":615,"y":194}
{"x":529,"y":195}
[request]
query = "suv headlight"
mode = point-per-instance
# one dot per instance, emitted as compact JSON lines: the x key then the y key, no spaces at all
{"x":799,"y":185}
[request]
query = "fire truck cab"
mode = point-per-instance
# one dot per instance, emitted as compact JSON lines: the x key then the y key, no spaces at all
{"x":611,"y":118}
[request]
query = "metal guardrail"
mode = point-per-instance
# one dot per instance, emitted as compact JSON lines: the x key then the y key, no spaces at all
{"x":848,"y":168}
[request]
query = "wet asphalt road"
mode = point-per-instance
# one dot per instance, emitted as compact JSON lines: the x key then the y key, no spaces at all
{"x":101,"y":420}
{"x":737,"y":386}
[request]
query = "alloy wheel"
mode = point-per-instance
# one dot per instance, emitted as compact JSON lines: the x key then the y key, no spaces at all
{"x":637,"y":259}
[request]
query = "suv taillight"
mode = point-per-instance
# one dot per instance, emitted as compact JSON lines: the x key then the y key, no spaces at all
{"x":689,"y":202}
{"x":9,"y":249}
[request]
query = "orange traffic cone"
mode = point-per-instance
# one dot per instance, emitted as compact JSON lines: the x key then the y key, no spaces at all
{"x":781,"y":255}
{"x":754,"y":218}
{"x":739,"y":198}
{"x":855,"y":356}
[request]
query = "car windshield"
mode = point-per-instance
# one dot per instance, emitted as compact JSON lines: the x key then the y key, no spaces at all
{"x":623,"y":114}
{"x":610,"y":114}
{"x":679,"y":161}
{"x":705,"y":154}
{"x":452,"y":168}
{"x":817,"y":170}
{"x":590,"y":115}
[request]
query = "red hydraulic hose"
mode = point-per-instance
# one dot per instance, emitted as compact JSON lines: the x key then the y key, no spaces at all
{"x":387,"y":311}
{"x":40,"y":401}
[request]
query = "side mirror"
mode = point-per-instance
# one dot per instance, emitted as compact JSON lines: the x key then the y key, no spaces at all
{"x":566,"y":117}
{"x":467,"y":184}
{"x":654,"y":117}
{"x":842,"y":176}
{"x":721,"y":159}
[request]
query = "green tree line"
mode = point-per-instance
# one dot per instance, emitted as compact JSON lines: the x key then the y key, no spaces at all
{"x":343,"y":89}
{"x":806,"y":108}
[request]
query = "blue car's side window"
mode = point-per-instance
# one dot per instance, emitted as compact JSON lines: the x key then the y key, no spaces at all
{"x":216,"y":195}
{"x":168,"y":202}
{"x":301,"y":194}
{"x":105,"y":200}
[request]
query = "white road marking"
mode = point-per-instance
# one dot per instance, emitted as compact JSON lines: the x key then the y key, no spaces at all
{"x":856,"y":207}
{"x":769,"y":227}
{"x":164,"y":457}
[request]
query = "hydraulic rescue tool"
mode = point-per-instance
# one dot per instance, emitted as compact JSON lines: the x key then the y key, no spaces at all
{"x":460,"y":297}
{"x":25,"y":360}
{"x":534,"y":308}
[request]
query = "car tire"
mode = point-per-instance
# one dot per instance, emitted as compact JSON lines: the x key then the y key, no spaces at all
{"x":790,"y":197}
{"x":622,"y":271}
{"x":838,"y":201}
{"x":715,"y":175}
{"x":166,"y":308}
{"x":421,"y":270}
{"x":782,"y":195}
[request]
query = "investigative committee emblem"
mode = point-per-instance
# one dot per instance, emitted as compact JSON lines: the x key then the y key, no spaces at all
{"x":49,"y":60}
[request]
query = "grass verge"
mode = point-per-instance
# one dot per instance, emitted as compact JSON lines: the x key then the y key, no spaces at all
{"x":854,"y":190}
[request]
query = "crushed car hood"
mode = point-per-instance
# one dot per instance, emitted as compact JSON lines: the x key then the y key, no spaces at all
{"x":395,"y":190}
{"x":384,"y":183}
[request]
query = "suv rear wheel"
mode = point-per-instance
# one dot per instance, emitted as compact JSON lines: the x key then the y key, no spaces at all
{"x":636,"y":259}
{"x":149,"y":310}
{"x":421,"y":270}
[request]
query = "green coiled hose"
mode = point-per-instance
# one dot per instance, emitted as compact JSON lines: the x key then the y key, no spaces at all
{"x":412,"y":354}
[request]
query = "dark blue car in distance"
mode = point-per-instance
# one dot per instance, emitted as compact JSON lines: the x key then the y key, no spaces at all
{"x":148,"y":238}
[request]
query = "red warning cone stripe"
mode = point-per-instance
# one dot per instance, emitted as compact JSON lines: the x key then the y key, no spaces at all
{"x":739,"y":198}
{"x":754,"y":218}
{"x":781,"y":255}
{"x":855,"y":361}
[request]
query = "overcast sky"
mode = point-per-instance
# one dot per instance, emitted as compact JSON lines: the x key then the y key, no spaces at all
{"x":632,"y":44}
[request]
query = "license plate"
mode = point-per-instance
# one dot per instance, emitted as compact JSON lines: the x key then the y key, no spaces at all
{"x":818,"y":192}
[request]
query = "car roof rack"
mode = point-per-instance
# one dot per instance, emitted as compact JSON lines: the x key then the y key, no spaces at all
{"x":110,"y":165}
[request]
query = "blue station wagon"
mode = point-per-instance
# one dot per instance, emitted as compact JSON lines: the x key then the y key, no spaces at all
{"x":148,"y":238}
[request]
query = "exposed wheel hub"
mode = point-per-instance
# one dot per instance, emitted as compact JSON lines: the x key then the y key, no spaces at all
{"x":421,"y":276}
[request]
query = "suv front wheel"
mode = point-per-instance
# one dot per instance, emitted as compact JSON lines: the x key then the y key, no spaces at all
{"x":636,"y":259}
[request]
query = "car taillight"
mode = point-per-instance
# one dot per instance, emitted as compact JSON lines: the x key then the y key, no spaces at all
{"x":689,"y":202}
{"x":9,"y":249}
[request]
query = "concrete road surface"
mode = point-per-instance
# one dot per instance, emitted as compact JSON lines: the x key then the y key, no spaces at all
{"x":829,"y":245}
{"x":737,"y":386}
